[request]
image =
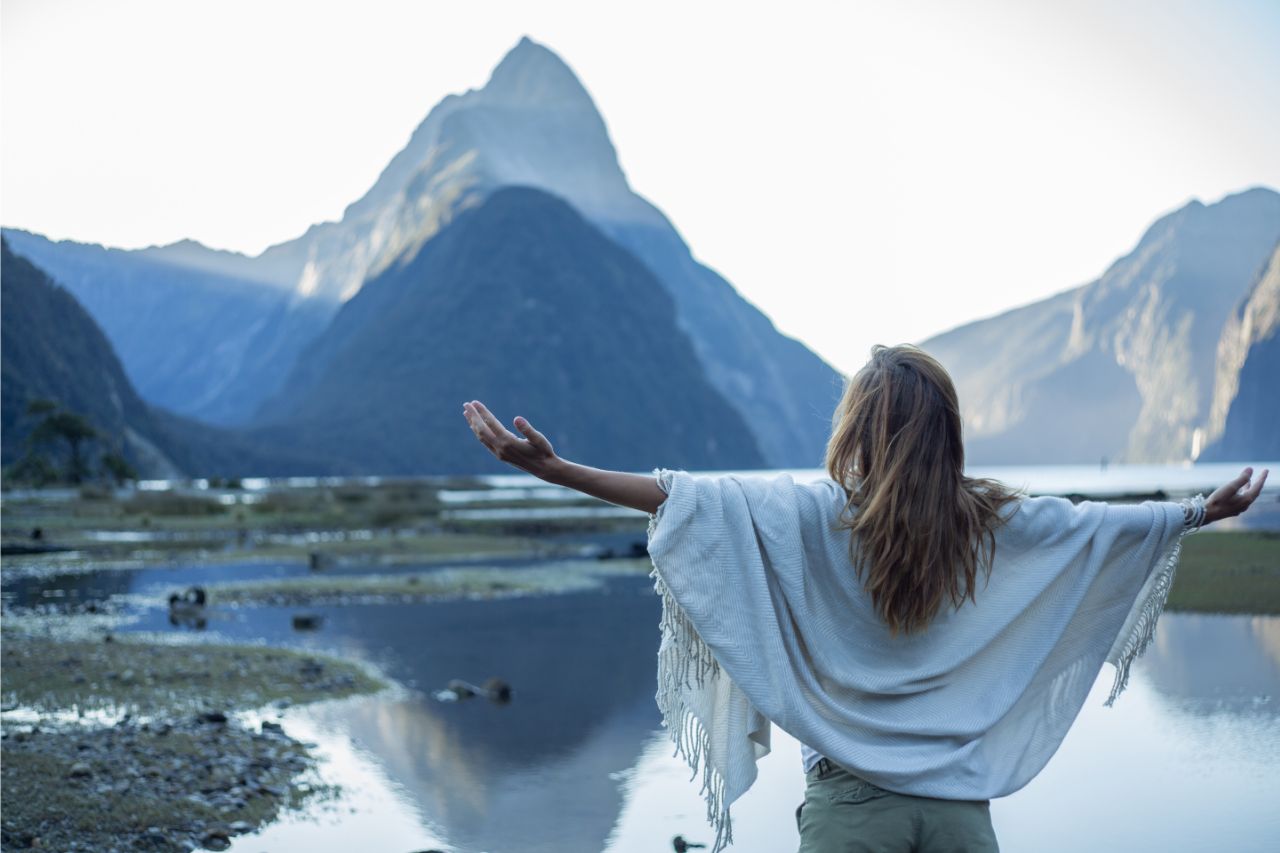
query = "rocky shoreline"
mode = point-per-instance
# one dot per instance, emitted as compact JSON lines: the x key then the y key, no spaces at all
{"x":131,"y":744}
{"x":176,"y":785}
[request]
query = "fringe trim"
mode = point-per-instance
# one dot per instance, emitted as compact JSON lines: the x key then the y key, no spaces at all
{"x":1144,"y":629}
{"x":685,"y":663}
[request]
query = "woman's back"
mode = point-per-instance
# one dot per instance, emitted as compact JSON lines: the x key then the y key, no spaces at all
{"x":970,"y":707}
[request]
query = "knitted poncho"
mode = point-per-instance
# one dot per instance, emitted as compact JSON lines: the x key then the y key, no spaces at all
{"x":764,"y":620}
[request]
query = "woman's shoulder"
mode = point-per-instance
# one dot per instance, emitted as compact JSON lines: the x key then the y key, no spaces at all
{"x":822,"y":488}
{"x":794,"y":488}
{"x":1041,"y":518}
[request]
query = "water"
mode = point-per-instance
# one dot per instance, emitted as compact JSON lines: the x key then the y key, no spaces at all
{"x":1187,"y":760}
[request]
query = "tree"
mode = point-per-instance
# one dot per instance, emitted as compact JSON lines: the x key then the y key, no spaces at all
{"x":71,"y":429}
{"x":33,"y":469}
{"x":40,"y":406}
{"x":118,"y":468}
{"x":62,"y":433}
{"x":62,"y":446}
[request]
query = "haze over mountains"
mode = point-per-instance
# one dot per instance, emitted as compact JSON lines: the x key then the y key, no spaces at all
{"x":574,"y":301}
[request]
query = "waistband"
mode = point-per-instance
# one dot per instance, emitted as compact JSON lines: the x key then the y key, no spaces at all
{"x":826,"y":768}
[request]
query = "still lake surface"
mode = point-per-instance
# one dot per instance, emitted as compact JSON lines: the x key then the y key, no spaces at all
{"x":1187,"y":760}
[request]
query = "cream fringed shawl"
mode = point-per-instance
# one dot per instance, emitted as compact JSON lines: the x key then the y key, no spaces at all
{"x":765,"y":620}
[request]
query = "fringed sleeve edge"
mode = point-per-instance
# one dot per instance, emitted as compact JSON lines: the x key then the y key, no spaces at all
{"x":1151,"y":600}
{"x":685,"y":662}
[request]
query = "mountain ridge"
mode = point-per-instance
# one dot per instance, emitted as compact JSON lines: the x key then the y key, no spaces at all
{"x":53,"y":350}
{"x":525,"y":303}
{"x":532,"y":124}
{"x":1244,"y":421}
{"x":1138,"y":344}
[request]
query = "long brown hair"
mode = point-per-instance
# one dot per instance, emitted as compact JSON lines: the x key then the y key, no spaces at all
{"x":920,"y":528}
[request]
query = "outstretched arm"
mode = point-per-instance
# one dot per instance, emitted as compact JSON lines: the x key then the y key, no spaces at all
{"x":1234,"y":497}
{"x":534,"y":454}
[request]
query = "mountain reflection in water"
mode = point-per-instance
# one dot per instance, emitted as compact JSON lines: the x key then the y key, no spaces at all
{"x":531,"y":775}
{"x":1206,"y":664}
{"x":1188,"y":759}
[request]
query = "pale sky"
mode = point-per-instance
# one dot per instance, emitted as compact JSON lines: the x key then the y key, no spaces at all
{"x":862,"y":172}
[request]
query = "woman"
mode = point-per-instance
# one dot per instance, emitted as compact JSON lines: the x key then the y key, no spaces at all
{"x":928,"y":636}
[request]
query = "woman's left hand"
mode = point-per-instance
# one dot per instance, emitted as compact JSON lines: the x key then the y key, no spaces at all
{"x":1234,"y":497}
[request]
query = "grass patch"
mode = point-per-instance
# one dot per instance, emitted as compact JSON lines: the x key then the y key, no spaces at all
{"x":160,"y":504}
{"x":333,"y":545}
{"x":1228,"y":573}
{"x":395,"y":522}
{"x":537,"y":527}
{"x":448,"y":583}
{"x":404,"y":547}
{"x":155,"y":678}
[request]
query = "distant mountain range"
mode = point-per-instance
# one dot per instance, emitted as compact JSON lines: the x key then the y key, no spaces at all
{"x":1244,"y":422}
{"x":1127,"y":368}
{"x":195,"y":337}
{"x":213,"y":334}
{"x":350,"y":348}
{"x":51,"y":349}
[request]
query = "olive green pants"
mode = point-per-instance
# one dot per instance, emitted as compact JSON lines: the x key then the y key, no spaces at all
{"x":844,"y":814}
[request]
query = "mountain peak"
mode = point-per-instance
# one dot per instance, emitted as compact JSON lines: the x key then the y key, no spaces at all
{"x":533,"y":75}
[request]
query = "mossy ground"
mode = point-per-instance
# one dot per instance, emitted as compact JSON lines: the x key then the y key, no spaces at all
{"x":388,"y":522}
{"x":159,"y":678}
{"x":435,"y":585}
{"x":1236,"y":572}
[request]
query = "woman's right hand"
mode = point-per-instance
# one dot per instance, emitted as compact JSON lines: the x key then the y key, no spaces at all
{"x":1234,"y":497}
{"x":533,"y":453}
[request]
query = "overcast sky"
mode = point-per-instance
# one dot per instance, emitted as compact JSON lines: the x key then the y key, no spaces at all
{"x":863,"y":172}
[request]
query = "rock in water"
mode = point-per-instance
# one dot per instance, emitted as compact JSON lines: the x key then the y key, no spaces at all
{"x":498,"y":690}
{"x":307,"y":621}
{"x":215,"y":839}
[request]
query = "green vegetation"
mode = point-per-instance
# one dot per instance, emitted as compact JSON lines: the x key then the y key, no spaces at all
{"x":1228,"y":573}
{"x":396,"y":522}
{"x":536,"y":527}
{"x":64,"y":447}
